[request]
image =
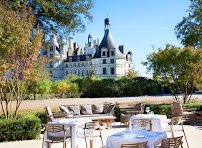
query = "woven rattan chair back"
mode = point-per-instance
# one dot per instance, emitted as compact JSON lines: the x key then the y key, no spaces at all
{"x":135,"y":145}
{"x":147,"y":123}
{"x":172,"y":142}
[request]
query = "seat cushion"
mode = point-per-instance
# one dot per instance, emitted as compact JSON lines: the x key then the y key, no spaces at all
{"x":98,"y":108}
{"x":75,"y":109}
{"x":86,"y":109}
{"x":64,"y":110}
{"x":109,"y":109}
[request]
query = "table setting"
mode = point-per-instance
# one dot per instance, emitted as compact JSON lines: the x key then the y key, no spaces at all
{"x":159,"y":122}
{"x":135,"y":136}
{"x":74,"y":123}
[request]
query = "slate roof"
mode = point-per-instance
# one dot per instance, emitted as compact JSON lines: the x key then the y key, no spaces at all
{"x":108,"y":42}
{"x":82,"y":58}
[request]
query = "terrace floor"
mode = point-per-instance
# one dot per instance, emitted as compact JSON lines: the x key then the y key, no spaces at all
{"x":193,"y":132}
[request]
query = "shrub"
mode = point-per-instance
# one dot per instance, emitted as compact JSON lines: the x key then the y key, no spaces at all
{"x":24,"y":128}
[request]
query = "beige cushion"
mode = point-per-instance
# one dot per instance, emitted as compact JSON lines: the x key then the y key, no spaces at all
{"x":75,"y":109}
{"x":49,"y":113}
{"x":109,"y":109}
{"x":98,"y":108}
{"x":64,"y":110}
{"x":138,"y":106}
{"x":86,"y":109}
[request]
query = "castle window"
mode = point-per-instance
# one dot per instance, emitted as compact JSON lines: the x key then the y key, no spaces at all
{"x":112,"y":61}
{"x":51,"y":55}
{"x":70,"y":59}
{"x":82,"y":64}
{"x":112,"y":53}
{"x":78,"y":72}
{"x":74,"y":64}
{"x":66,"y":72}
{"x":78,"y":58}
{"x":103,"y":53}
{"x":78,"y":64}
{"x":104,"y":71}
{"x":51,"y":48}
{"x":112,"y":70}
{"x":66,"y":65}
{"x":104,"y":61}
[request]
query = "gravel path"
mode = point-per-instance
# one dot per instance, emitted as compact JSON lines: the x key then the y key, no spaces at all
{"x":38,"y":105}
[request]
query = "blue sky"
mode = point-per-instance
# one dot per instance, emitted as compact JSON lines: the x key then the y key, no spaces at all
{"x":139,"y":25}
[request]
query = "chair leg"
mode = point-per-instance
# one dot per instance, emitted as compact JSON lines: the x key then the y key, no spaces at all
{"x":171,"y":127}
{"x":184,"y":135}
{"x":86,"y":143}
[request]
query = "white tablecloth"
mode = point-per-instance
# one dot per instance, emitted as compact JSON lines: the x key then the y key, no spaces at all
{"x":159,"y":122}
{"x":74,"y":123}
{"x":127,"y":137}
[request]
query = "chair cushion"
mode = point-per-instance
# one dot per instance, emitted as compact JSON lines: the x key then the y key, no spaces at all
{"x":98,"y":108}
{"x":138,"y":106}
{"x":75,"y":109}
{"x":86,"y":109}
{"x":109,"y":109}
{"x":64,"y":110}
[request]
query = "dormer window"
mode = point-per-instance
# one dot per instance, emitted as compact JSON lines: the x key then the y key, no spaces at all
{"x":51,"y":48}
{"x":51,"y":55}
{"x":103,"y":53}
{"x":112,"y":52}
{"x":78,"y":58}
{"x":70,"y":59}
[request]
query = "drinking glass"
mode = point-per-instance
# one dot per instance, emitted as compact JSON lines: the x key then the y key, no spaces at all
{"x":147,"y":109}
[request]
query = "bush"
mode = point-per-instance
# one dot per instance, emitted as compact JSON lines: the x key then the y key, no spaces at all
{"x":23,"y":128}
{"x":162,"y":109}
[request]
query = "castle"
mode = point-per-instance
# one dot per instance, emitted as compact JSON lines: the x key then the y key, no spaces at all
{"x":105,"y":60}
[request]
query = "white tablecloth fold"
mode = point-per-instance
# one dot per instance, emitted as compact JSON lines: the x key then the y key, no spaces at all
{"x":127,"y":137}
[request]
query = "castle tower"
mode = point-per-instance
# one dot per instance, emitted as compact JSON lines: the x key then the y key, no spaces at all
{"x":63,"y":47}
{"x":71,"y":47}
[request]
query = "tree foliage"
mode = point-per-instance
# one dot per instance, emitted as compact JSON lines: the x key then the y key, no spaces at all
{"x":178,"y":68}
{"x":189,"y":30}
{"x":19,"y":48}
{"x":67,"y":15}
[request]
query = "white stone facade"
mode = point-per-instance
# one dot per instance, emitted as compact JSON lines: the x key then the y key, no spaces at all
{"x":106,"y":60}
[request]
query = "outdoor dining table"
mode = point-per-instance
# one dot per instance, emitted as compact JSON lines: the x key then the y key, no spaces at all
{"x":74,"y":123}
{"x":159,"y":122}
{"x":135,"y":136}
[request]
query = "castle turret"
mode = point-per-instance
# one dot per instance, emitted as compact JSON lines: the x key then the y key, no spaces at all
{"x":63,"y":47}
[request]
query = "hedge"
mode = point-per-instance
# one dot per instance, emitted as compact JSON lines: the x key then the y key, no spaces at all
{"x":162,"y":109}
{"x":23,"y":128}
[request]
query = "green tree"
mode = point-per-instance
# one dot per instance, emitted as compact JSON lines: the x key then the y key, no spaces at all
{"x":178,"y":68}
{"x":67,"y":15}
{"x":19,"y":48}
{"x":132,"y":74}
{"x":189,"y":30}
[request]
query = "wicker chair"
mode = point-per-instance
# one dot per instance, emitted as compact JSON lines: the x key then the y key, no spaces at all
{"x":177,"y":118}
{"x":51,"y":116}
{"x":171,"y":143}
{"x":56,"y":128}
{"x":142,"y":123}
{"x":135,"y":145}
{"x":89,"y":132}
{"x":127,"y":113}
{"x":188,"y":115}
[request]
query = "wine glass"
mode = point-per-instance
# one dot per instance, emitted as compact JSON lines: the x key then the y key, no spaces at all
{"x":71,"y":114}
{"x":147,"y":109}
